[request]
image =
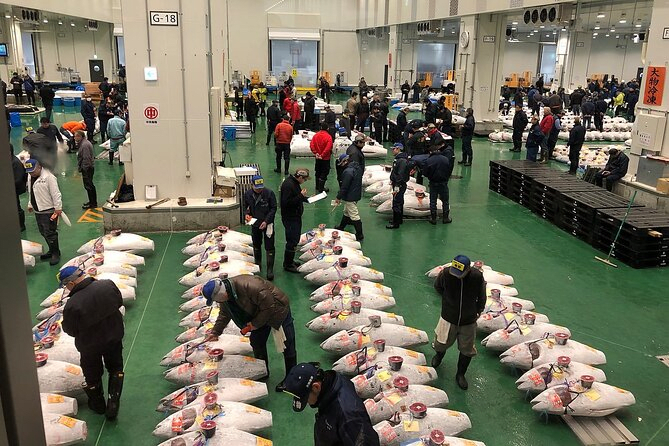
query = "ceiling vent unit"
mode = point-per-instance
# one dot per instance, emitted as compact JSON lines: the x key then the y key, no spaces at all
{"x":548,"y":15}
{"x":29,"y":15}
{"x":92,"y":25}
{"x":428,"y":28}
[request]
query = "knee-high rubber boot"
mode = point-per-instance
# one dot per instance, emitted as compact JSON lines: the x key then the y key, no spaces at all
{"x":446,"y":218}
{"x":114,"y":399}
{"x":345,"y":221}
{"x":289,"y":362}
{"x":433,"y":217}
{"x":401,"y":220}
{"x":278,"y":164}
{"x":437,"y":358}
{"x":96,"y":397}
{"x":287,"y":169}
{"x":111,"y":157}
{"x":395,"y":223}
{"x":359,"y":236}
{"x":463,"y":364}
{"x":54,"y":248}
{"x":257,"y":257}
{"x":319,"y":185}
{"x":289,"y":261}
{"x":270,"y":264}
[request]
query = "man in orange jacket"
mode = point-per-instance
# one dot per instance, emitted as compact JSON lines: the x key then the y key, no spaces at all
{"x":296,"y":116}
{"x":321,"y":146}
{"x":283,"y":134}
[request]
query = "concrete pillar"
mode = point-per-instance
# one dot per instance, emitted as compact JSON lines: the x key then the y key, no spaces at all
{"x":395,"y":52}
{"x":651,"y":133}
{"x":175,"y":151}
{"x":479,"y":63}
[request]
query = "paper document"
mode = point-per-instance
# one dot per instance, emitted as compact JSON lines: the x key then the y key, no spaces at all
{"x":251,"y":222}
{"x":315,"y":198}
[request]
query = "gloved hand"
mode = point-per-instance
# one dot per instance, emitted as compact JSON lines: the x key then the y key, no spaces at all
{"x":249,"y":327}
{"x":210,"y":337}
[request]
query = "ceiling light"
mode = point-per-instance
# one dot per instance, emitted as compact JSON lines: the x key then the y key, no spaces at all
{"x":541,"y":26}
{"x":622,"y":21}
{"x":72,"y":24}
{"x":8,"y":15}
{"x":606,"y":35}
{"x":595,"y":34}
{"x":612,"y":30}
{"x":514,"y":28}
{"x":618,"y":37}
{"x":638,"y":25}
{"x":554,"y":32}
{"x":530,"y":35}
{"x":45,"y":20}
{"x":594,"y":37}
{"x":548,"y":35}
{"x":601,"y":15}
{"x":514,"y":23}
{"x":60,"y":22}
{"x":452,"y":32}
{"x":597,"y":27}
{"x":564,"y":29}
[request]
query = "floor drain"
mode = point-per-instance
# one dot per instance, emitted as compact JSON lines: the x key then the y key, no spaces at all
{"x":664,"y":359}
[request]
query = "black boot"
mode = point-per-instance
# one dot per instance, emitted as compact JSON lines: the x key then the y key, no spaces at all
{"x":262,"y":355}
{"x":278,"y":164}
{"x":289,"y":362}
{"x":45,"y":256}
{"x":433,"y":217}
{"x":96,"y":398}
{"x":257,"y":257}
{"x":270,"y":265}
{"x":111,"y":157}
{"x":345,"y":221}
{"x":401,"y":214}
{"x":55,"y":253}
{"x":289,"y":261}
{"x":287,"y":168}
{"x":463,"y":364}
{"x":357,"y":224}
{"x":445,"y":218}
{"x":395,"y":223}
{"x":319,"y":185}
{"x":436,"y":360}
{"x":114,"y":400}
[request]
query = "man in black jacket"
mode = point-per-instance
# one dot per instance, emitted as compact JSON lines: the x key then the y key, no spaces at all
{"x":92,"y":317}
{"x":260,"y":204}
{"x":615,"y":169}
{"x":444,"y":113}
{"x":437,"y":170}
{"x":576,"y":99}
{"x":342,"y":419}
{"x":350,"y":192}
{"x":401,"y":121}
{"x":88,"y":113}
{"x":354,"y":151}
{"x":430,"y":111}
{"x":600,"y":109}
{"x":293,"y":197}
{"x":399,"y":176}
{"x":20,"y":185}
{"x":47,"y":94}
{"x":518,"y":97}
{"x":251,"y":108}
{"x":17,"y":90}
{"x":575,"y":143}
{"x":467,"y":135}
{"x":309,"y":107}
{"x":405,"y":89}
{"x":331,"y":120}
{"x":273,"y":118}
{"x":588,"y":109}
{"x":49,"y":130}
{"x":463,"y":297}
{"x":519,"y":124}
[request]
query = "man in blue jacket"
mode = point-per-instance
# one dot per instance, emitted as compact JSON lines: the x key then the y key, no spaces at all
{"x":399,"y":176}
{"x":261,"y":205}
{"x":342,"y":419}
{"x":437,"y":170}
{"x":350,"y":192}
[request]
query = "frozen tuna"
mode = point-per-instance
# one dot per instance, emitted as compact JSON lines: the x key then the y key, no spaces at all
{"x":335,"y":321}
{"x":59,"y":296}
{"x":191,"y":250}
{"x":359,"y":360}
{"x":198,"y":350}
{"x":227,"y":389}
{"x":62,"y":430}
{"x":240,"y":416}
{"x":107,"y":256}
{"x":59,"y":348}
{"x":340,"y":272}
{"x":60,"y":377}
{"x":447,"y":440}
{"x":32,"y":248}
{"x":496,"y":320}
{"x":384,"y":405}
{"x":408,"y":427}
{"x":324,"y":233}
{"x":223,"y":233}
{"x":414,"y":205}
{"x":328,"y":249}
{"x":230,"y":366}
{"x":193,"y":304}
{"x":499,"y":303}
{"x":369,"y":301}
{"x":381,"y":377}
{"x":365,"y":335}
{"x":197,"y":332}
{"x":330,"y":242}
{"x":213,"y":270}
{"x":54,"y":403}
{"x":117,"y":241}
{"x":592,"y":400}
{"x":552,"y":374}
{"x":222,"y":437}
{"x":216,"y":255}
{"x":28,"y":260}
{"x":532,"y":353}
{"x":322,"y":262}
{"x":198,"y":317}
{"x":505,"y":338}
{"x":346,"y":288}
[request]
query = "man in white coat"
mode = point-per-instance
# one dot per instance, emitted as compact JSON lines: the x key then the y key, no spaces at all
{"x":44,"y":199}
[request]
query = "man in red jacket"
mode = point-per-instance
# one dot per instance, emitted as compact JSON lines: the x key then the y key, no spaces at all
{"x":287,"y":104}
{"x":296,"y":116}
{"x":546,"y":125}
{"x":321,"y":146}
{"x":283,"y":134}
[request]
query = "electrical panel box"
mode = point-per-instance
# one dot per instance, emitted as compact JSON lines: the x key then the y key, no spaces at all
{"x":648,"y":133}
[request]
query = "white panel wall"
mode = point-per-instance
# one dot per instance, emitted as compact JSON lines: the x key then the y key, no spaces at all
{"x":373,"y":58}
{"x":339,"y":54}
{"x":520,"y":57}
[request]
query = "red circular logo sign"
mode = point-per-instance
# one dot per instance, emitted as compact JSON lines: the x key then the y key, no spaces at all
{"x":151,"y":112}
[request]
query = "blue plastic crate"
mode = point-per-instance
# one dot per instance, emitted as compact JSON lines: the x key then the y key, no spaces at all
{"x":229,"y":133}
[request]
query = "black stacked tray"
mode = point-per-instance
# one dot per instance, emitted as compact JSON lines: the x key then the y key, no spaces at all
{"x":545,"y":196}
{"x":578,"y":211}
{"x":643,"y":240}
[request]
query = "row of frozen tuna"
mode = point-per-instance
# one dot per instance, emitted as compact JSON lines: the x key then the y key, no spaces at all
{"x":59,"y":375}
{"x":560,"y":369}
{"x":300,"y":145}
{"x":392,"y":380}
{"x":213,"y":406}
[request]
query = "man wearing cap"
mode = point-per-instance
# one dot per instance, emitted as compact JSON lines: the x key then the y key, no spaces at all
{"x":342,"y":419}
{"x":354,"y":151}
{"x":45,"y":200}
{"x":92,"y":317}
{"x":467,"y":134}
{"x":86,"y":166}
{"x":259,"y":307}
{"x":615,"y":169}
{"x":399,"y":176}
{"x":321,"y":147}
{"x":283,"y":134}
{"x":401,"y":123}
{"x":331,"y":120}
{"x":309,"y":107}
{"x":293,"y":197}
{"x":260,"y":205}
{"x":273,"y":119}
{"x":350,"y":192}
{"x":463,"y":296}
{"x":436,"y":169}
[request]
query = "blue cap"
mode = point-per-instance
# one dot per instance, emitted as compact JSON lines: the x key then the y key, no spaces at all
{"x":343,"y":157}
{"x":342,"y":131}
{"x":257,"y":182}
{"x":210,"y":289}
{"x":460,"y":266}
{"x":398,"y":144}
{"x":69,"y":274}
{"x":298,"y":384}
{"x":31,"y":165}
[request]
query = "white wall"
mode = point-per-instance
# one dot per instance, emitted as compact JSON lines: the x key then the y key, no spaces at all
{"x":95,"y":9}
{"x":520,"y":57}
{"x":373,"y":58}
{"x":337,"y":54}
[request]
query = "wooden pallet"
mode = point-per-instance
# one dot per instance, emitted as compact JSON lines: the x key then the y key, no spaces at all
{"x":598,"y":431}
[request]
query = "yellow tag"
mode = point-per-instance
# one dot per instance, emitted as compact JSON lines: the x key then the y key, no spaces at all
{"x":244,"y":339}
{"x":525,"y":331}
{"x":252,"y":409}
{"x":383,"y":376}
{"x":558,"y":375}
{"x":411,"y":353}
{"x":342,"y":316}
{"x":54,"y":399}
{"x":346,"y":300}
{"x":67,"y":421}
{"x":422,"y":369}
{"x":394,"y":398}
{"x":509,"y":316}
{"x":123,"y":276}
{"x":592,"y":395}
{"x":411,"y":426}
{"x":366,"y":340}
{"x":373,"y":271}
{"x":378,"y":285}
{"x":263,"y":442}
{"x":246,"y":382}
{"x":392,"y":316}
{"x":371,"y":352}
{"x":73,"y":369}
{"x":249,"y":359}
{"x":329,"y":259}
{"x":412,"y":330}
{"x":209,"y":365}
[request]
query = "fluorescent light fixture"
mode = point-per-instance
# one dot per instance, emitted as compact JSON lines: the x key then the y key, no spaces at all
{"x":541,"y":26}
{"x":8,"y":15}
{"x":606,"y":35}
{"x":597,"y":27}
{"x":514,"y":23}
{"x":601,"y":15}
{"x":45,"y":20}
{"x":60,"y":22}
{"x":72,"y":24}
{"x":514,"y":28}
{"x":618,"y":36}
{"x":638,"y":25}
{"x":622,"y":21}
{"x":548,"y":35}
{"x":595,"y":34}
{"x":564,"y":29}
{"x":594,"y":37}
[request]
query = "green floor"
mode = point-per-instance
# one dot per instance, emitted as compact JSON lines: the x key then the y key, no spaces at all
{"x":620,"y":311}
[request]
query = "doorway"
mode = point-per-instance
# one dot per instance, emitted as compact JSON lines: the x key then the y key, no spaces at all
{"x":31,"y":61}
{"x":434,"y":60}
